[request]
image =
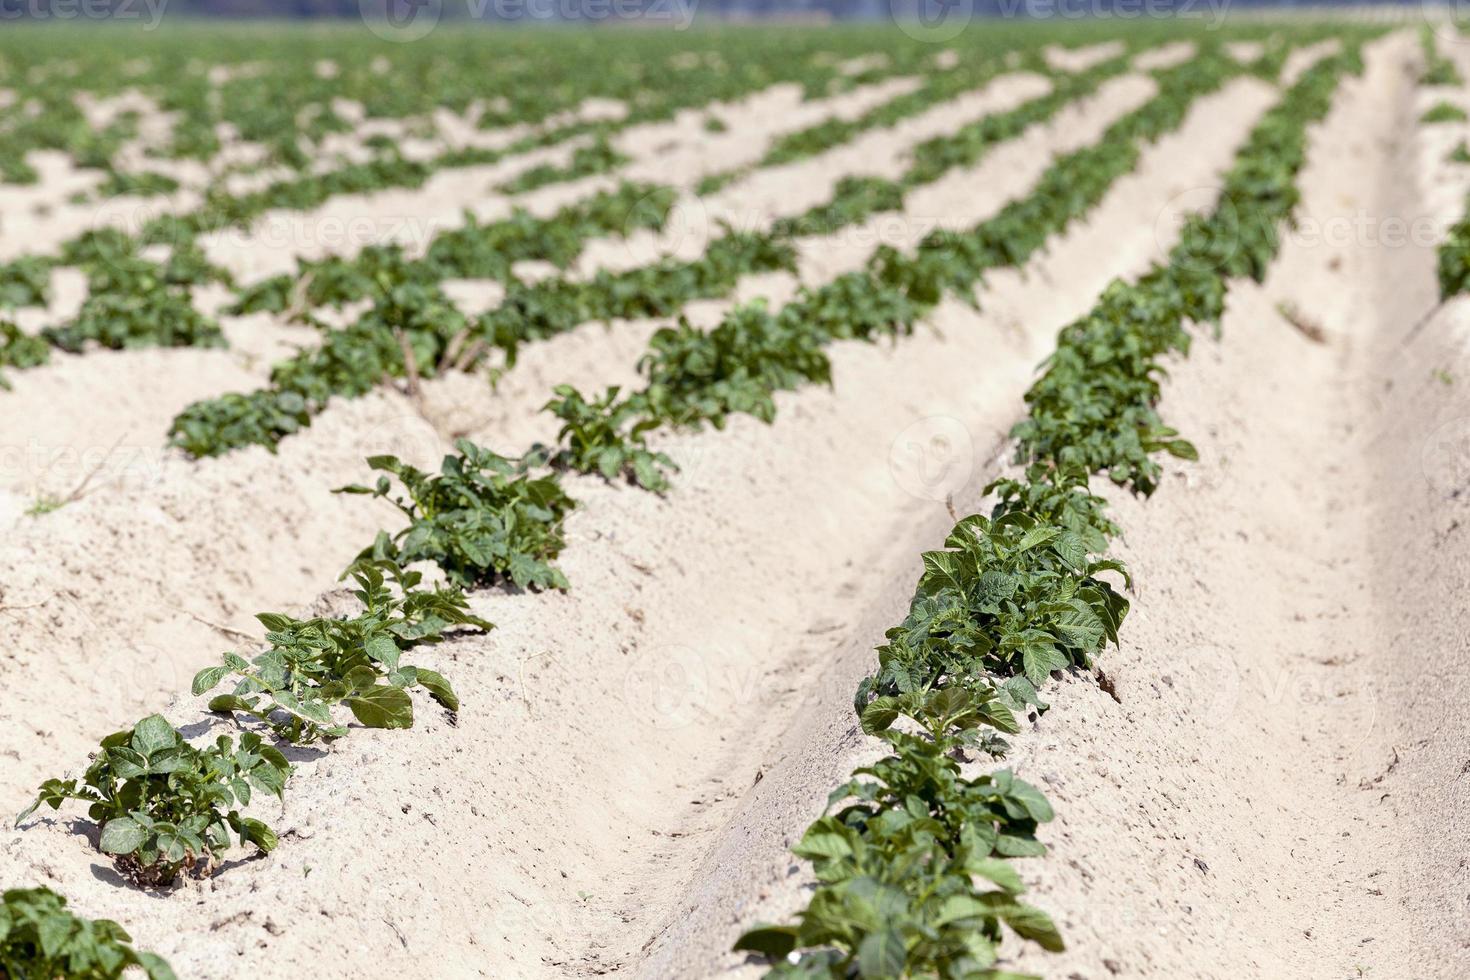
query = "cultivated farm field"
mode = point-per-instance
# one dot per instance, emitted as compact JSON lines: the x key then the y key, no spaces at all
{"x":791,"y":501}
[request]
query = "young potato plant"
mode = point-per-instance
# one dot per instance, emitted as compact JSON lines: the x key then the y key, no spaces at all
{"x":41,"y":938}
{"x":481,"y":518}
{"x":25,"y":281}
{"x":161,"y":316}
{"x":697,"y":376}
{"x":1454,"y":259}
{"x":598,"y":157}
{"x":604,"y":436}
{"x":165,"y":807}
{"x":912,"y":873}
{"x":1011,"y":598}
{"x":1008,"y":596}
{"x":312,"y":665}
{"x":20,"y":350}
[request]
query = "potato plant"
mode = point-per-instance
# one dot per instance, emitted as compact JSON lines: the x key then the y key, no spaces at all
{"x":481,"y":518}
{"x":1011,"y":599}
{"x":310,"y":666}
{"x":164,"y":807}
{"x":41,"y":938}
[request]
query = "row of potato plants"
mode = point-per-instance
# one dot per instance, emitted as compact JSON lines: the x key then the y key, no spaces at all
{"x":696,"y":377}
{"x":353,"y":361}
{"x":165,"y":807}
{"x":280,"y":98}
{"x":158,"y":310}
{"x":912,"y":859}
{"x":136,"y":301}
{"x":482,"y":519}
{"x":1452,"y":256}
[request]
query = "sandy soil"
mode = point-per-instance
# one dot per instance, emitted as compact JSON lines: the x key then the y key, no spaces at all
{"x":669,"y":775}
{"x":1272,"y":794}
{"x":138,"y":410}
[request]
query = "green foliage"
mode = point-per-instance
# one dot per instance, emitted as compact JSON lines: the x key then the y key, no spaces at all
{"x":596,"y":158}
{"x":1010,"y":596}
{"x":1442,"y":112}
{"x":162,"y":316}
{"x":20,"y":350}
{"x":604,"y":436}
{"x":41,"y":938}
{"x":912,"y":873}
{"x":311,"y":665}
{"x":1438,"y":70}
{"x":480,"y":518}
{"x":696,"y":376}
{"x":1010,"y":599}
{"x":164,"y":806}
{"x":25,"y":281}
{"x":1454,"y":260}
{"x":146,"y":183}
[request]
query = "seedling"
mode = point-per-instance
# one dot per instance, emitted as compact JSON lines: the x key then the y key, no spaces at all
{"x":310,"y":666}
{"x":480,"y":518}
{"x":165,"y":807}
{"x":41,"y":938}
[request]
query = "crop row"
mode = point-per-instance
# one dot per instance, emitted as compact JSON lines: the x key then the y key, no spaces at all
{"x":696,"y":377}
{"x":165,"y":807}
{"x":158,"y":309}
{"x":1453,"y":254}
{"x":286,"y":98}
{"x":912,"y":859}
{"x":352,"y":362}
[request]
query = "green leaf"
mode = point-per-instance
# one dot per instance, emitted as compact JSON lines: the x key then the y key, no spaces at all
{"x":879,"y":715}
{"x":770,"y":941}
{"x":1181,"y":449}
{"x":383,"y":707}
{"x":208,"y":678}
{"x":154,"y":733}
{"x":881,"y":954}
{"x":997,"y":871}
{"x":436,"y":685}
{"x":1039,"y":659}
{"x":1031,"y":923}
{"x":122,"y":835}
{"x":819,"y":843}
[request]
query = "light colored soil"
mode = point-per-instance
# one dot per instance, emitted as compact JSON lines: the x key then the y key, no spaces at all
{"x":1279,"y":791}
{"x":685,"y":594}
{"x":136,"y":404}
